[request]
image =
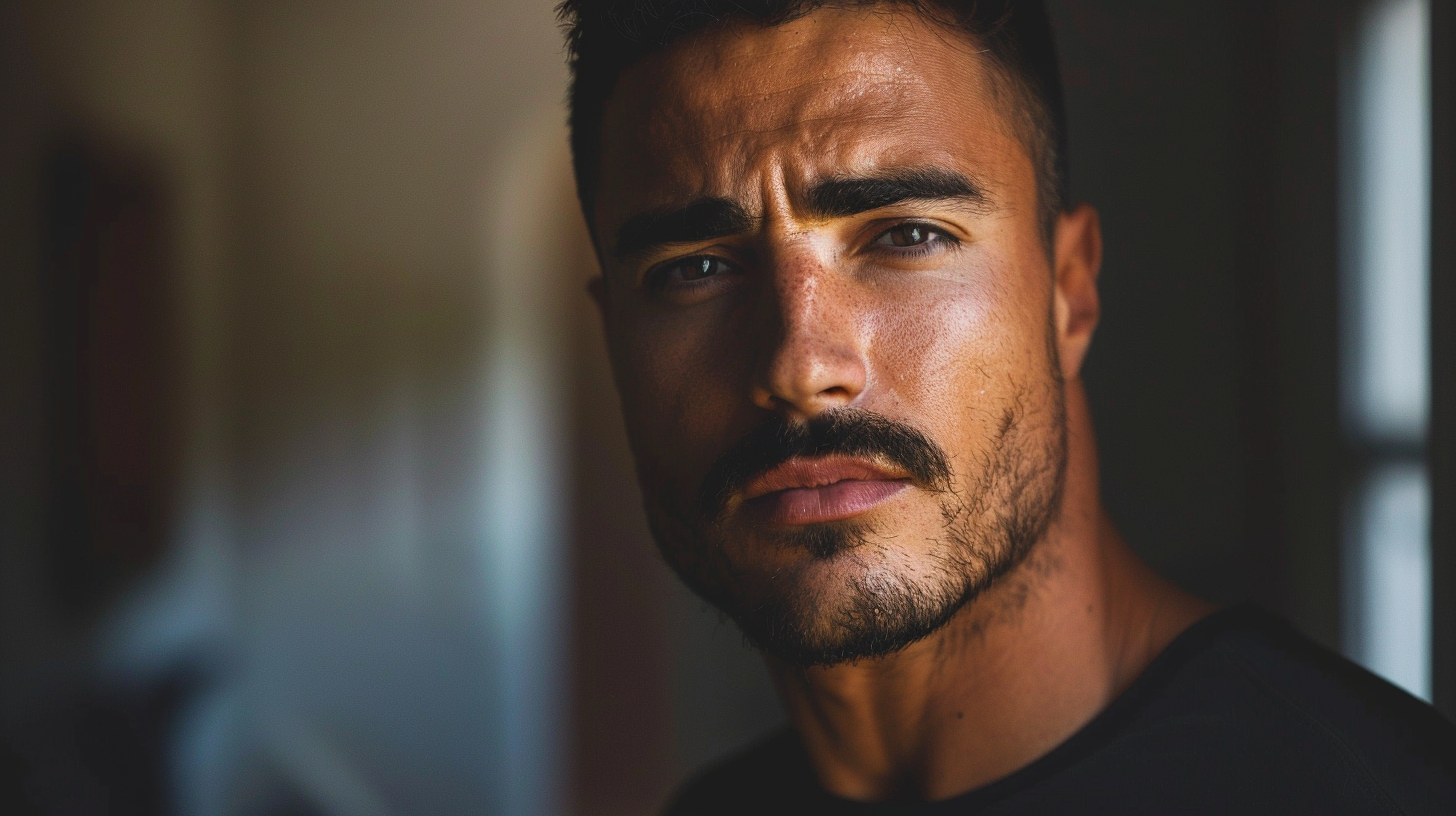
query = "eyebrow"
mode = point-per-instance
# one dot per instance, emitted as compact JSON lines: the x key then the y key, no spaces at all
{"x":706,"y":218}
{"x":841,"y":197}
{"x":700,"y":220}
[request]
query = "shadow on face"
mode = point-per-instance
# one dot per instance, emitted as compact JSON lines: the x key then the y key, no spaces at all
{"x":830,"y":313}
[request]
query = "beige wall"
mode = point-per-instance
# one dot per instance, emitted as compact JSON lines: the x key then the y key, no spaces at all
{"x":398,"y":492}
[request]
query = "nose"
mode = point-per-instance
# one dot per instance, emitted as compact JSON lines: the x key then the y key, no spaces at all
{"x":813,"y":357}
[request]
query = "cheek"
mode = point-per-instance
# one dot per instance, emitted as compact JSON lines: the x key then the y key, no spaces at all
{"x":955,"y":354}
{"x":678,"y":376}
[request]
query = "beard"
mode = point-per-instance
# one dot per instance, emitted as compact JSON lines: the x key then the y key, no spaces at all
{"x":850,"y":591}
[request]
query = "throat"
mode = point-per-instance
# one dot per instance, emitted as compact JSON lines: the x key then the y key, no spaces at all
{"x":1013,"y":675}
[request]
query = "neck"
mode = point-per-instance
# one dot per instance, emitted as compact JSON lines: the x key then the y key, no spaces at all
{"x":1014,"y":674}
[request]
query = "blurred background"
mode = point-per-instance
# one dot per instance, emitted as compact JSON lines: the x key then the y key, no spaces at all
{"x":313,"y":493}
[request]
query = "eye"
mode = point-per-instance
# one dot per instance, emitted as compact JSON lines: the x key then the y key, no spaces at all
{"x":910,"y":235}
{"x":691,"y":270}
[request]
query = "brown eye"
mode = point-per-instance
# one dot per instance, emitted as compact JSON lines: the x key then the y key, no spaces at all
{"x":909,"y":235}
{"x":704,"y":266}
{"x":692,"y":270}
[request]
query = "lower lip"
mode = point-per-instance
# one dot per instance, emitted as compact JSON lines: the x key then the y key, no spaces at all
{"x":835,"y":502}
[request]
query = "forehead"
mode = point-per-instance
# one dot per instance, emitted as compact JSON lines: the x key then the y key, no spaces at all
{"x":731,"y":112}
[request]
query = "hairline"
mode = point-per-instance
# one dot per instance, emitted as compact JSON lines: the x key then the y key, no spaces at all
{"x":1028,"y":114}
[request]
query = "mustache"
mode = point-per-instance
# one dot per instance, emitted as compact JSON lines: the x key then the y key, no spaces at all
{"x":843,"y":431}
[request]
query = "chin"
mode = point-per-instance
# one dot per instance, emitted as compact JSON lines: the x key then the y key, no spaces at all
{"x":849,"y":593}
{"x":835,"y":621}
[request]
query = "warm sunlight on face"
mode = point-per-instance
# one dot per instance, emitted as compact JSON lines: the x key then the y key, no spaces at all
{"x":829,"y":307}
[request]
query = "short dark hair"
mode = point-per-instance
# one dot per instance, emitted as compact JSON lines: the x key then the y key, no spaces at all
{"x":605,"y":37}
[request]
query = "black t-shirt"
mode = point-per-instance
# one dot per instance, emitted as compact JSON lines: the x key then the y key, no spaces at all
{"x":1240,"y":714}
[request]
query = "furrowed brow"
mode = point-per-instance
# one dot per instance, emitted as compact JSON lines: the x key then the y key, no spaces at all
{"x":841,"y":197}
{"x":700,"y":220}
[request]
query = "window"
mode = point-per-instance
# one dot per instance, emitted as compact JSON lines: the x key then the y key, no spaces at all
{"x":1385,"y":357}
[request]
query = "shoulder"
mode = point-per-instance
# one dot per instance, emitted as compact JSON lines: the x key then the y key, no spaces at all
{"x":1242,"y":714}
{"x":1276,"y":704}
{"x":768,"y":776}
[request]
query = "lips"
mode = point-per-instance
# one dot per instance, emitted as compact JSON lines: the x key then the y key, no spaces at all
{"x":812,"y":491}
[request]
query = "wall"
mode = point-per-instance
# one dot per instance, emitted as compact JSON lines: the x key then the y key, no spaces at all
{"x":147,"y":79}
{"x":398,"y":496}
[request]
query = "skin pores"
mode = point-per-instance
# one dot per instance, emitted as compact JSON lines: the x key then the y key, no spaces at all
{"x":933,"y":311}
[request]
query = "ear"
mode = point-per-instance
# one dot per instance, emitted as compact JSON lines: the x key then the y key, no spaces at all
{"x":1077,"y":260}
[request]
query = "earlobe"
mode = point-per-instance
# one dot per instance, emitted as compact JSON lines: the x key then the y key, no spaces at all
{"x":1078,"y":260}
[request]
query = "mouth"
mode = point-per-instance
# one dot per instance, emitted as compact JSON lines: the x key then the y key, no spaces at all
{"x":814,"y":491}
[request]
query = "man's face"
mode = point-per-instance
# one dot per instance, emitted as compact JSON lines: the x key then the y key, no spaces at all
{"x":829,"y":307}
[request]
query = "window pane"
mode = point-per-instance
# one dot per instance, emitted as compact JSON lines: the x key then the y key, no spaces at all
{"x":1391,"y":572}
{"x":1387,"y":200}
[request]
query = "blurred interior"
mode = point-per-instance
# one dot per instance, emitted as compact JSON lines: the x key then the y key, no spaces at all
{"x":315,"y":497}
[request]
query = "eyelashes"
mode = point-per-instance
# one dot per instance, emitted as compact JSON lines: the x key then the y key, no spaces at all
{"x":691,"y":271}
{"x":691,"y":274}
{"x":913,"y":238}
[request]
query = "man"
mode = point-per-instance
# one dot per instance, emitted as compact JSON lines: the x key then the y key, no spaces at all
{"x":847,"y":301}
